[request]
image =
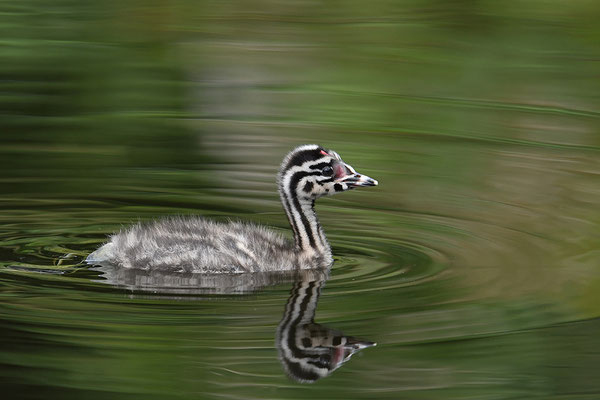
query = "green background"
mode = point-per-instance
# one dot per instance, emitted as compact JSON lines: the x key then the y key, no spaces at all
{"x":473,"y":265}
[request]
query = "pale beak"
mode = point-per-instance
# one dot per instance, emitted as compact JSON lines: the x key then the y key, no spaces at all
{"x":346,"y":174}
{"x":358,"y":180}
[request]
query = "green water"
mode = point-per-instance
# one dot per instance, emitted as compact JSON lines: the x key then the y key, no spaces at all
{"x":473,"y":265}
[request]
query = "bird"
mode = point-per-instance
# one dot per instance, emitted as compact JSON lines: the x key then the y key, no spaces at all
{"x":309,"y":351}
{"x":194,"y":244}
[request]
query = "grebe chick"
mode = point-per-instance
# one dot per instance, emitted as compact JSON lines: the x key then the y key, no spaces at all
{"x":198,"y":245}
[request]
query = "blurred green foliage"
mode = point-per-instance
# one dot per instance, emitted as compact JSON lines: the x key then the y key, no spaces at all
{"x":479,"y":118}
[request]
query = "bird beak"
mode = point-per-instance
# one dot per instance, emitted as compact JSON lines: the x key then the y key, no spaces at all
{"x":358,"y":180}
{"x":346,"y":174}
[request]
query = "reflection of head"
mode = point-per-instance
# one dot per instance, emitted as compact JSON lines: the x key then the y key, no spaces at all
{"x":307,"y":350}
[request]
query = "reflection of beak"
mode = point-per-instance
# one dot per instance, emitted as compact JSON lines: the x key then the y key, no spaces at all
{"x":344,"y":352}
{"x":358,"y":344}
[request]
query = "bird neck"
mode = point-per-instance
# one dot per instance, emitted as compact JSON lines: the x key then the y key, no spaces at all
{"x":308,"y":235}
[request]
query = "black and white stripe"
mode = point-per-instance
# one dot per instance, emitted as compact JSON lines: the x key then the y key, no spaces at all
{"x":307,"y":350}
{"x":199,"y":245}
{"x":296,"y":189}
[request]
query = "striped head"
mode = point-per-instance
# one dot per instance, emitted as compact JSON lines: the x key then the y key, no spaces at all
{"x":310,"y":171}
{"x":307,"y":173}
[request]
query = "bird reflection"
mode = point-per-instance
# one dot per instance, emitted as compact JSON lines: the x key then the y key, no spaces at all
{"x":179,"y":285}
{"x":307,"y":350}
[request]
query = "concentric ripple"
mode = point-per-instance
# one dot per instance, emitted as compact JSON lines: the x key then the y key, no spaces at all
{"x":363,"y":264}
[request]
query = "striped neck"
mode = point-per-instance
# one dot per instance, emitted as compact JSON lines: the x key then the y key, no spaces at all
{"x":308,"y":233}
{"x":301,"y":180}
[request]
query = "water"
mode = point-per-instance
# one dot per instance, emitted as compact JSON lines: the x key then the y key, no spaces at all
{"x":473,"y":266}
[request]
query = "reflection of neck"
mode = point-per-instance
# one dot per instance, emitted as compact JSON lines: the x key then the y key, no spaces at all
{"x":307,"y":350}
{"x":299,"y":312}
{"x":302,"y":304}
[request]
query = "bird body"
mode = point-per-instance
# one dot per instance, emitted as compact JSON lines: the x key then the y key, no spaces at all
{"x":190,"y":244}
{"x":199,"y":245}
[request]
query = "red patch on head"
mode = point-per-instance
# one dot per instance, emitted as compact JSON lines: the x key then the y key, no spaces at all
{"x":324,"y":153}
{"x":340,"y":171}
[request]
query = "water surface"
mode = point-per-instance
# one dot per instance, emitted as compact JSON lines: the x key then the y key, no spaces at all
{"x":473,"y":265}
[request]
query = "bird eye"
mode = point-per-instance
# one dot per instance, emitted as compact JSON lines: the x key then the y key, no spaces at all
{"x":327,"y":171}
